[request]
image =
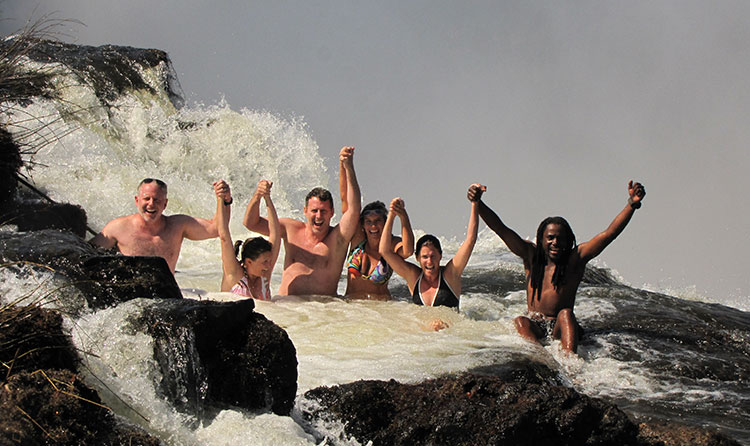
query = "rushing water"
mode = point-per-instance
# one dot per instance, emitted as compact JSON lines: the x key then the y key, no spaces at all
{"x":677,"y":357}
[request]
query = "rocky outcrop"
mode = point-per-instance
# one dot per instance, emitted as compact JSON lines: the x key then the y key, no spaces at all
{"x":233,"y":356}
{"x":471,"y":409}
{"x":103,"y":280}
{"x":42,"y":399}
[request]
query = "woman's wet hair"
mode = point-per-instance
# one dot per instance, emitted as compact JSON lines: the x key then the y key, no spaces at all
{"x":539,"y":261}
{"x":252,"y":248}
{"x":376,"y":207}
{"x":430,"y":240}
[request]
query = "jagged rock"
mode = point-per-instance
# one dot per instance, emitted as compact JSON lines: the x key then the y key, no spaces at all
{"x":32,"y":338}
{"x":109,"y":280}
{"x":55,"y":407}
{"x":42,"y":400}
{"x":110,"y":69}
{"x":36,"y":216}
{"x":673,"y":434}
{"x":104,"y":280}
{"x":234,"y":356}
{"x":10,"y":163}
{"x":468,"y":410}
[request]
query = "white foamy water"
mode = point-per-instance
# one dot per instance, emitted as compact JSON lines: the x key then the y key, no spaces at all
{"x":96,"y":157}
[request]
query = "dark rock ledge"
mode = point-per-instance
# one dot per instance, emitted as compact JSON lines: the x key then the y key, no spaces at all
{"x":472,"y":409}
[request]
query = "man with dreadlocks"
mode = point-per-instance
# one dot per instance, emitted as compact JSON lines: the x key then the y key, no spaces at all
{"x":554,"y":268}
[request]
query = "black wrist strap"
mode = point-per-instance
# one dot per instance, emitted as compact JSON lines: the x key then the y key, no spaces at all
{"x":634,"y":204}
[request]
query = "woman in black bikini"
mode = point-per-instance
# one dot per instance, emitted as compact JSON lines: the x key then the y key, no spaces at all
{"x":429,"y":283}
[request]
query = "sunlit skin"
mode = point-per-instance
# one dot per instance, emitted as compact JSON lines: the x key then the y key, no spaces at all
{"x":260,"y":267}
{"x":318,"y":214}
{"x":314,"y":250}
{"x":372,"y":226}
{"x":553,"y":241}
{"x":556,"y":303}
{"x":358,"y":284}
{"x":429,"y":259}
{"x":151,"y":202}
{"x":253,"y":270}
{"x":151,"y":233}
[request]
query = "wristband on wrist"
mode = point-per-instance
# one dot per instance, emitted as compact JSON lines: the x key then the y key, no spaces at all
{"x":634,"y":204}
{"x":227,"y":203}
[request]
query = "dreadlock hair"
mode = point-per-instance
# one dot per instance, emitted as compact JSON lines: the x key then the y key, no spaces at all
{"x":252,"y":248}
{"x":539,"y":261}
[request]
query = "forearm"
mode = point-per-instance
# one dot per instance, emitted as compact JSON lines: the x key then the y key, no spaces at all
{"x":223,"y":216}
{"x":618,"y":224}
{"x":343,"y":189}
{"x":350,"y":218}
{"x":274,"y":228}
{"x":464,"y":251}
{"x":386,"y":239}
{"x":407,"y":236}
{"x":252,"y":219}
{"x":512,"y":240}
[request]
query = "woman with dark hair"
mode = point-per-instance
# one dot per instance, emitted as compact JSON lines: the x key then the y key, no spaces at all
{"x":429,"y":283}
{"x":251,"y":274}
{"x":368,"y":272}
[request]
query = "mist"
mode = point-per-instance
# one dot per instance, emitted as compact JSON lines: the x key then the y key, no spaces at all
{"x":553,"y":105}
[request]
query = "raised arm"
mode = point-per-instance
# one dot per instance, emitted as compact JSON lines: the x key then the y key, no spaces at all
{"x":403,"y":268}
{"x":274,"y":236}
{"x":405,"y":247}
{"x":231,"y":268}
{"x":457,"y":264}
{"x":342,"y":187}
{"x":252,"y":219}
{"x":199,"y":228}
{"x":512,"y":240}
{"x":596,"y":245}
{"x":350,"y":218}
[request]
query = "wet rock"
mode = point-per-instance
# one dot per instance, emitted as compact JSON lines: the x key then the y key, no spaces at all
{"x":673,"y":434}
{"x":32,"y":338}
{"x":42,"y":400}
{"x":103,"y":280}
{"x":108,"y":280}
{"x":467,"y":410}
{"x":229,"y":356}
{"x":111,"y":70}
{"x":37,"y":215}
{"x":55,"y":407}
{"x":10,"y":163}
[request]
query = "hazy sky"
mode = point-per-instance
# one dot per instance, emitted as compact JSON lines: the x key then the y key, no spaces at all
{"x":553,"y":105}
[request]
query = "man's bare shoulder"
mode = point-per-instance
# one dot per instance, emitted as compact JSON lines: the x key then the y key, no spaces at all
{"x":120,"y":223}
{"x":292,"y":227}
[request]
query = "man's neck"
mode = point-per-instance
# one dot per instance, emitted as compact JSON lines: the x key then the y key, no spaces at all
{"x":316,"y":236}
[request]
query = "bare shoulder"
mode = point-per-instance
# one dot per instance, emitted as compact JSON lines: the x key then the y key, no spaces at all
{"x":120,"y":223}
{"x":292,"y":228}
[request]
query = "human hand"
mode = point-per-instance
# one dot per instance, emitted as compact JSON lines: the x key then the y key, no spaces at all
{"x":475,"y":192}
{"x":264,"y":188}
{"x":222,"y":190}
{"x":346,"y":156}
{"x":398,"y":207}
{"x":636,"y":192}
{"x":438,"y":324}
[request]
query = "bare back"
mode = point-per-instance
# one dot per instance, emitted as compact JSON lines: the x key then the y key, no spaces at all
{"x":311,"y":266}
